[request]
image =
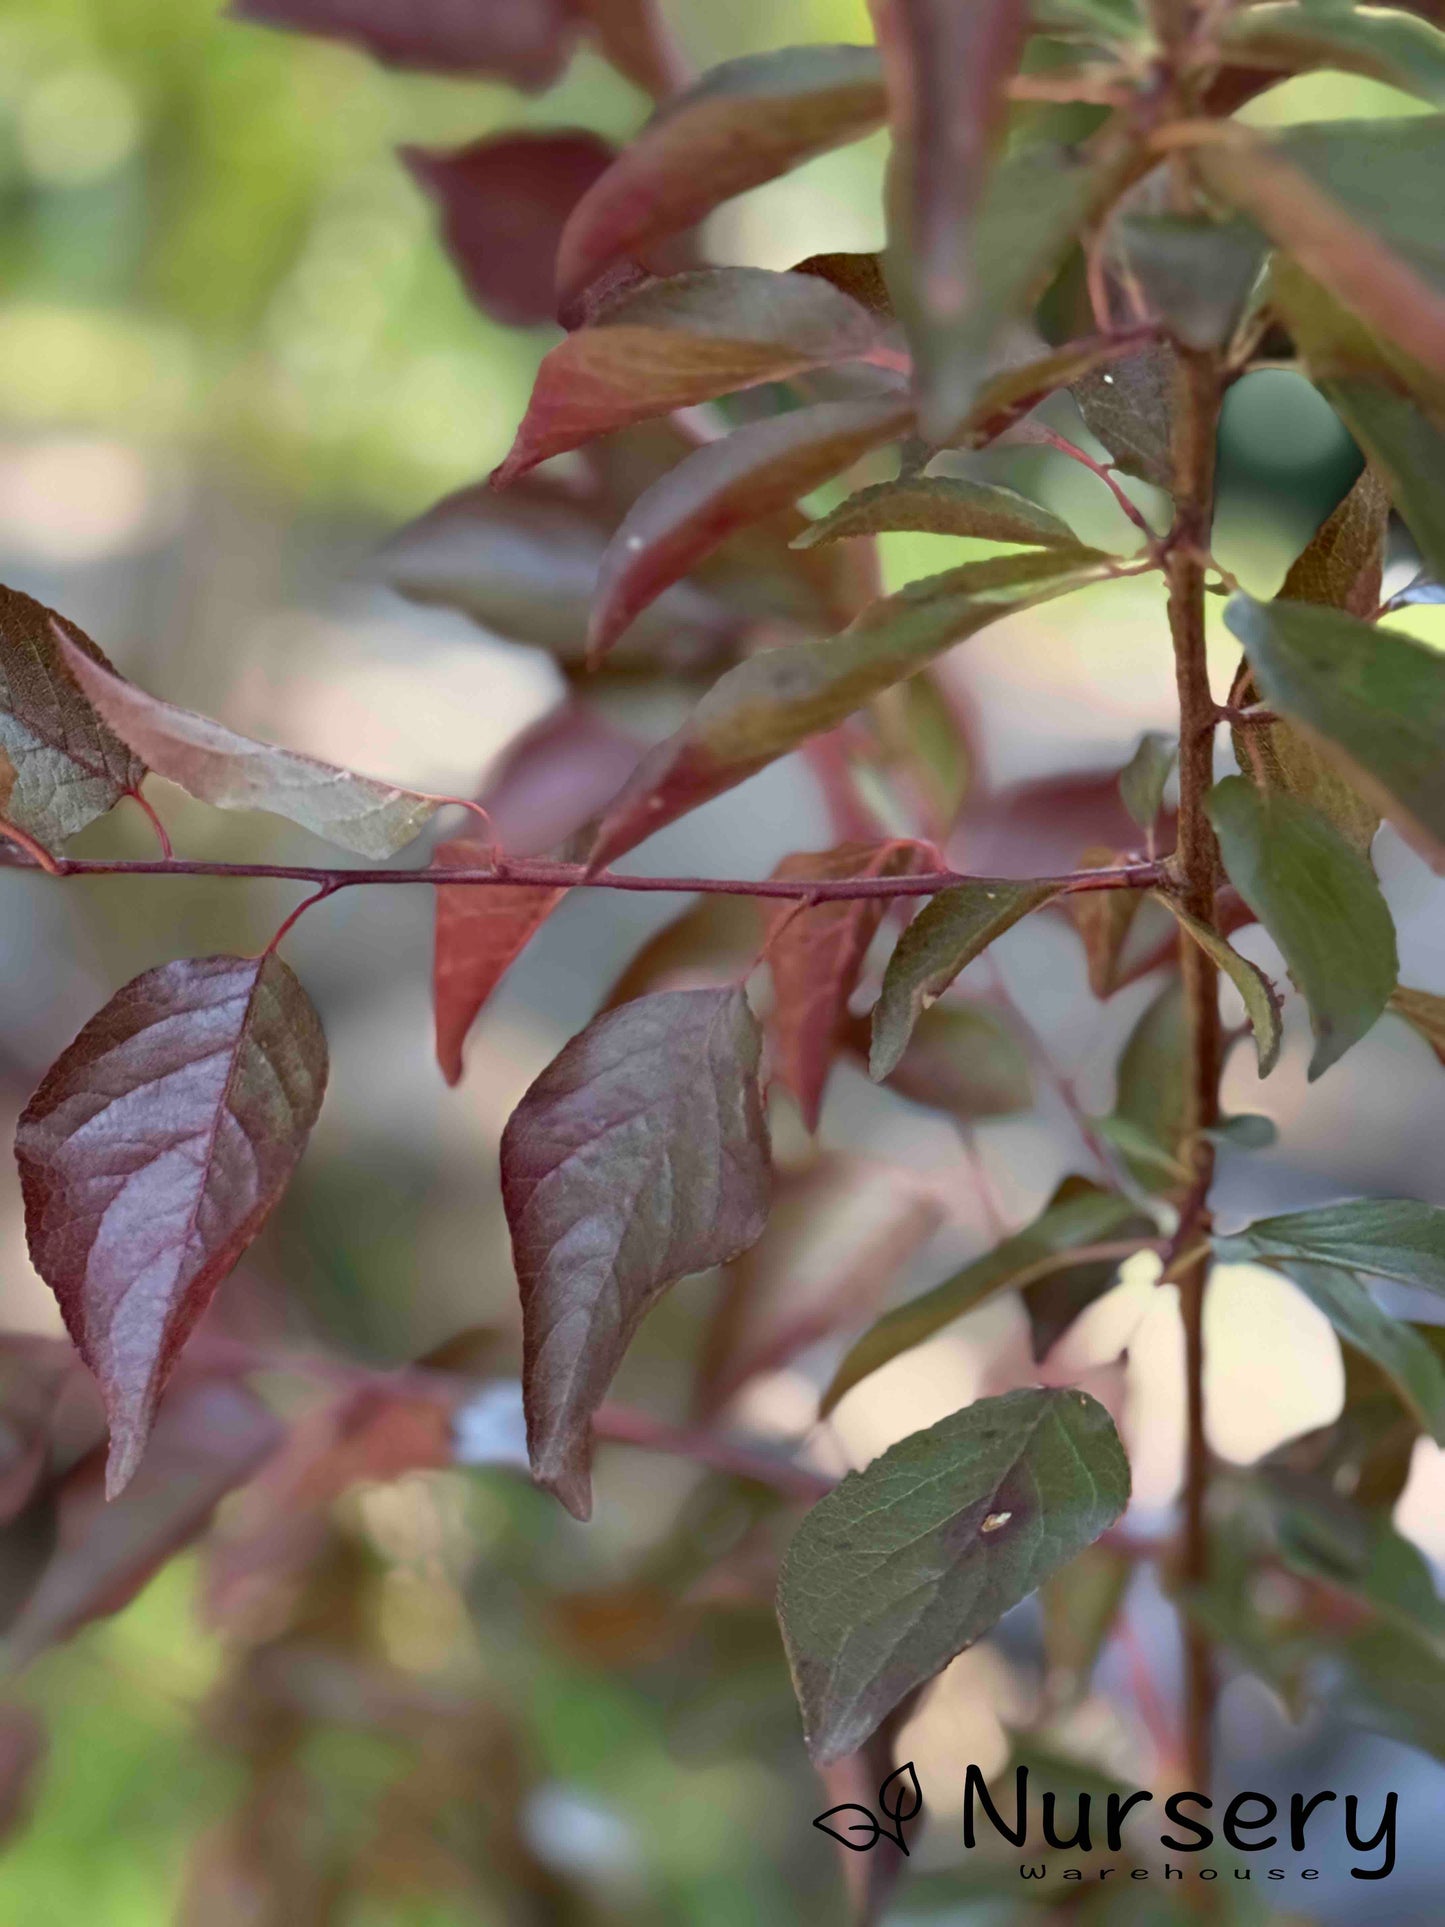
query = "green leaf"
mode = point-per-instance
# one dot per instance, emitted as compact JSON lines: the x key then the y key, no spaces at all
{"x":1081,"y":1604}
{"x":1195,"y":275}
{"x":949,"y":932}
{"x":638,"y":1156}
{"x":743,"y":123}
{"x":1408,"y":447}
{"x":1319,"y":900}
{"x":1129,"y":406}
{"x":688,"y":339}
{"x":66,"y":767}
{"x":962,"y":1058}
{"x":775,"y":700}
{"x":1246,"y":1131}
{"x":1396,"y":1685}
{"x":1379,"y":1237}
{"x":1079,"y":1214}
{"x":1324,"y":1536}
{"x":1142,"y":779}
{"x":1357,"y":205}
{"x":941,"y":505}
{"x":1399,"y":1351}
{"x":1374,"y":700}
{"x":232,"y":772}
{"x":726,"y":486}
{"x":1151,"y":1102}
{"x":1424,"y":1012}
{"x":1382,"y":43}
{"x":1261,"y":1001}
{"x":911,"y":1560}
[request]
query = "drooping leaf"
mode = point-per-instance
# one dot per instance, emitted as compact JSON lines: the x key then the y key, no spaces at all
{"x":949,"y":932}
{"x":838,"y":1235}
{"x":688,"y":339}
{"x":1121,"y":930}
{"x":1081,"y":1605}
{"x":64,"y":766}
{"x":210,"y":1437}
{"x":941,"y":505}
{"x":743,"y":123}
{"x":1261,"y":1000}
{"x":152,"y":1153}
{"x":1424,"y":1012}
{"x":726,"y":485}
{"x":1382,"y":43}
{"x":1408,"y":446}
{"x":523,"y":41}
{"x":1079,"y":1214}
{"x":1397,"y":1348}
{"x":1151,"y":1102}
{"x":911,"y":1560}
{"x":234,"y":772}
{"x":1376,"y":1237}
{"x":1056,"y":1298}
{"x":1326,"y":1536}
{"x":503,"y":202}
{"x":1356,"y":204}
{"x":1373,"y":700}
{"x":1319,"y":900}
{"x":962,"y":1058}
{"x":639,"y":1155}
{"x":932,"y":748}
{"x":772,"y":702}
{"x":947,"y":68}
{"x":1129,"y":406}
{"x":1142,"y":779}
{"x":815,"y":955}
{"x":480,"y":932}
{"x":716,"y":939}
{"x":1196,"y":275}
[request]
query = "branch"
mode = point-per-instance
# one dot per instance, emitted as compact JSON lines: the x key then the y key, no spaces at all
{"x":573,"y":876}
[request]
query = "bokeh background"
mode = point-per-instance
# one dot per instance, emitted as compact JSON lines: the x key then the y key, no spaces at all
{"x":233,"y":358}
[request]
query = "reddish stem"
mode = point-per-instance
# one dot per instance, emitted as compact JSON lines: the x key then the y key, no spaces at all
{"x":162,"y":836}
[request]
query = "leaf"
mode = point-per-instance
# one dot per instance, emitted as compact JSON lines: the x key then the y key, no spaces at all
{"x":858,"y":275}
{"x":1195,"y":275}
{"x":1129,"y":407}
{"x":949,"y":932}
{"x":743,"y":123}
{"x":717,"y":938}
{"x":1319,"y":900}
{"x":1399,"y":1351}
{"x":1118,"y":940}
{"x":860,"y":1821}
{"x":941,"y":505}
{"x":1372,"y":699}
{"x":1245,"y":1131}
{"x":1142,"y":780}
{"x":1356,"y":204}
{"x":1151,"y":1103}
{"x":481,"y":929}
{"x":771,"y":703}
{"x":1327,"y":1537}
{"x":962,"y":1058}
{"x":152,"y":1153}
{"x":815,"y":955}
{"x":1261,"y":1000}
{"x":65,"y":767}
{"x":1378,"y":1237}
{"x":947,"y":68}
{"x":1081,"y":1604}
{"x":1382,"y":43}
{"x":687,"y":339}
{"x":503,"y":202}
{"x":1409,"y":448}
{"x":1079,"y":1214}
{"x":234,"y":772}
{"x":908,"y":1562}
{"x":638,"y":1156}
{"x":210,"y":1437}
{"x":1424,"y":1012}
{"x":724,"y":486}
{"x":523,"y":41}
{"x":1395,"y":1685}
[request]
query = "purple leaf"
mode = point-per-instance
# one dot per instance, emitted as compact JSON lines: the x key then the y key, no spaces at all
{"x":481,"y":929}
{"x":524,"y":41}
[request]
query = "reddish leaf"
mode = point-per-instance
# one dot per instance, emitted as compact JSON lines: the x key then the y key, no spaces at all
{"x":63,"y":766}
{"x":503,"y":202}
{"x":638,"y":1156}
{"x":32,"y":1374}
{"x":948,"y":67}
{"x":744,"y":123}
{"x":726,"y":485}
{"x":816,"y":955}
{"x":151,"y":1155}
{"x":715,"y":940}
{"x":687,"y":339}
{"x":480,"y":931}
{"x":633,"y":35}
{"x":554,"y":777}
{"x":237,"y":773}
{"x":775,"y":700}
{"x":523,"y":41}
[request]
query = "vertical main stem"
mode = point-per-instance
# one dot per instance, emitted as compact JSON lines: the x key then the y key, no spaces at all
{"x":1195,"y":432}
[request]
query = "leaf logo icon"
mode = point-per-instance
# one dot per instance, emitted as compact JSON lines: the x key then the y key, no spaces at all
{"x":900,"y":1799}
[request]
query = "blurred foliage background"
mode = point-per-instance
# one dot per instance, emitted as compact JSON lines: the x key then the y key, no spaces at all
{"x":233,"y":356}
